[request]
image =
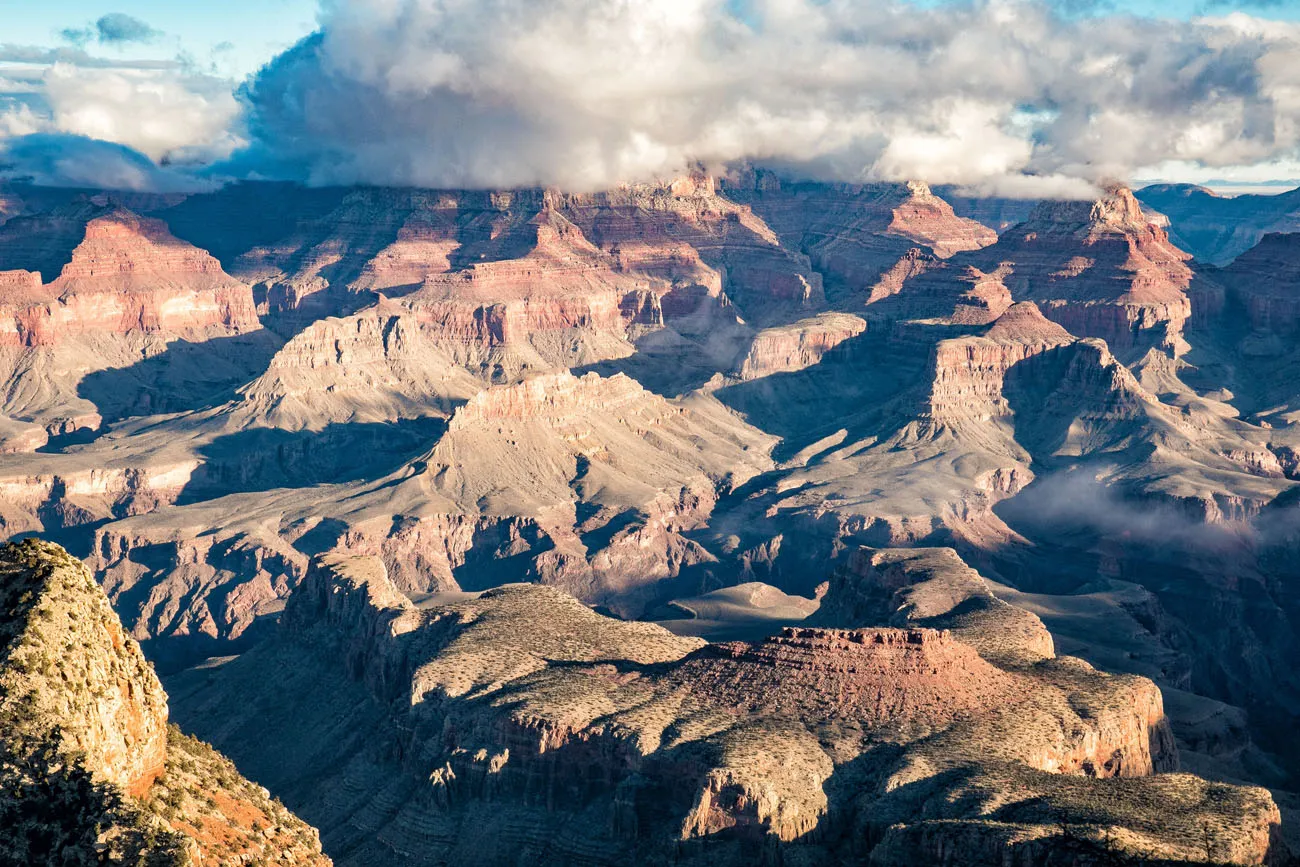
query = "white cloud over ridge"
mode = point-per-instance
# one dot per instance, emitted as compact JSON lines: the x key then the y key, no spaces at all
{"x":1000,"y":96}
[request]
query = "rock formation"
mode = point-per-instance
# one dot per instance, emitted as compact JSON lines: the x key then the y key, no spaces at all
{"x":1100,"y":269}
{"x":522,"y":724}
{"x":933,"y":588}
{"x":854,"y":234}
{"x":801,"y":344}
{"x":588,"y":483}
{"x":90,"y":769}
{"x":1265,"y":280}
{"x":381,"y":364}
{"x":695,"y":402}
{"x":127,"y":291}
{"x":127,"y":274}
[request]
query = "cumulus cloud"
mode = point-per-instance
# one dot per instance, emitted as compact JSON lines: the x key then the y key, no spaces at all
{"x":168,"y":117}
{"x":1028,"y":98}
{"x":997,"y":95}
{"x":155,"y":111}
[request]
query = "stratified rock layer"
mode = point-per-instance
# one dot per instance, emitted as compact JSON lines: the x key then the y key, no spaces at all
{"x":128,"y":274}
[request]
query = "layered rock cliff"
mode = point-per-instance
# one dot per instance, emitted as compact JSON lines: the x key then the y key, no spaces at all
{"x":1101,"y":269}
{"x":129,"y":274}
{"x":853,"y":233}
{"x":136,"y":321}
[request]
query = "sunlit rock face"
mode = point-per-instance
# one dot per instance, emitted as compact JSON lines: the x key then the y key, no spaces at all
{"x":92,"y":769}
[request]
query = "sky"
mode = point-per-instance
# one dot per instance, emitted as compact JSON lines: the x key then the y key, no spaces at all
{"x":230,"y":37}
{"x":1010,"y":97}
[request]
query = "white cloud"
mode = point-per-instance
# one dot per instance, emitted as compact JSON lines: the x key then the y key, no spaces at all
{"x":162,"y":114}
{"x":144,"y":113}
{"x":995,"y":94}
{"x":1001,"y":96}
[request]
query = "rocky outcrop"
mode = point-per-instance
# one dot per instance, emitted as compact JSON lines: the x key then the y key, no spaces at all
{"x":588,"y":483}
{"x":609,"y":475}
{"x":1265,"y":280}
{"x":687,"y":228}
{"x":876,"y":677}
{"x":104,"y":697}
{"x":1100,"y":269}
{"x":970,"y":372}
{"x":180,"y":586}
{"x":801,"y":344}
{"x":135,"y":322}
{"x":932,"y":587}
{"x":854,"y":234}
{"x":677,"y":236}
{"x":382,"y":364}
{"x":88,"y":754}
{"x":558,"y":305}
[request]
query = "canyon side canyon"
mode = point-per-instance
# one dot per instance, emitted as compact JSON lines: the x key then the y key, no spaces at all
{"x":727,"y":520}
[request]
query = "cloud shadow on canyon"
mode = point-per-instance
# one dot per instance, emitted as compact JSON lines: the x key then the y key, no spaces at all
{"x":187,"y":375}
{"x":262,"y":459}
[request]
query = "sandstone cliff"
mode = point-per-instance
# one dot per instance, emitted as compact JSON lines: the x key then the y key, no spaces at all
{"x":128,"y":293}
{"x":129,"y":274}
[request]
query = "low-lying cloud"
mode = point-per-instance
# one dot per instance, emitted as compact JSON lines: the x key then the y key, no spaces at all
{"x":63,"y":160}
{"x":1060,"y":504}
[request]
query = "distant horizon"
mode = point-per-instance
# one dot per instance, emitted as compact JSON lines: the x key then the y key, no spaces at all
{"x":1219,"y":186}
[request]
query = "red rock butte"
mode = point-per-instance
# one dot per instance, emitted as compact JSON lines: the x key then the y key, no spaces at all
{"x":127,"y":274}
{"x":876,"y":677}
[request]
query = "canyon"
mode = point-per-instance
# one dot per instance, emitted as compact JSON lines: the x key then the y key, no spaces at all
{"x":725,"y":519}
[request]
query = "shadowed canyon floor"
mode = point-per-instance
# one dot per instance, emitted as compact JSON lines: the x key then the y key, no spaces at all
{"x":425,"y":503}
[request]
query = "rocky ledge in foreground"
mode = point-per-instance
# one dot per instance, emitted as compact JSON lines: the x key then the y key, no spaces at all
{"x":521,"y":727}
{"x":90,"y":770}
